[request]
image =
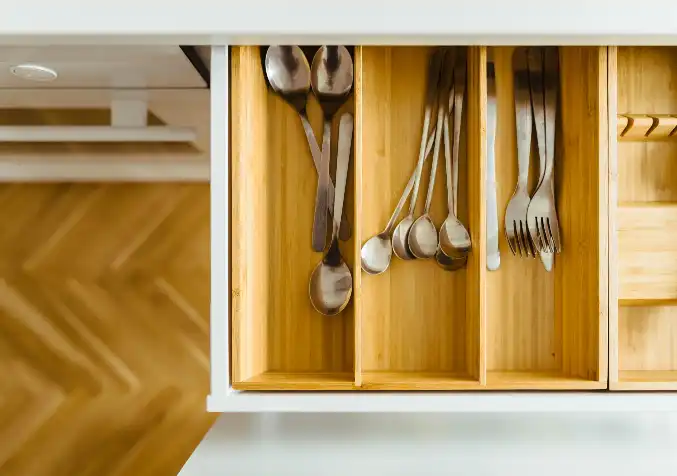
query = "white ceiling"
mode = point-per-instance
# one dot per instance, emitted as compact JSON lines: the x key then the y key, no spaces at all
{"x":78,"y":67}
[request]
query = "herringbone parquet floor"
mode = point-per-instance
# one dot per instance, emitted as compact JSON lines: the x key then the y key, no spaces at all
{"x":104,"y":323}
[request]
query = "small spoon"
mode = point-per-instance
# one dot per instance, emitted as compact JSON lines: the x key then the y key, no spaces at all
{"x":422,"y":239}
{"x":377,"y":251}
{"x":400,"y":237}
{"x":454,"y":239}
{"x":332,"y":80}
{"x":288,"y":73}
{"x":331,"y":283}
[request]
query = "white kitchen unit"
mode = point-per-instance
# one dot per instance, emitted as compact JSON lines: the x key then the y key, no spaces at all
{"x":595,"y":334}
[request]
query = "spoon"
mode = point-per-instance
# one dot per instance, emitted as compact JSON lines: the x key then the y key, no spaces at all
{"x":454,"y":239}
{"x":288,"y":73}
{"x":445,"y":262}
{"x":331,"y":283}
{"x":400,"y":244}
{"x":332,"y":79}
{"x":422,"y":239}
{"x":377,"y":251}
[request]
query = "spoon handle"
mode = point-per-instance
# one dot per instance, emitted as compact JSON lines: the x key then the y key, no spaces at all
{"x":407,"y":189}
{"x":433,"y":78}
{"x":316,"y":153}
{"x":444,"y":87}
{"x":320,"y":215}
{"x":345,"y":141}
{"x":459,"y":93}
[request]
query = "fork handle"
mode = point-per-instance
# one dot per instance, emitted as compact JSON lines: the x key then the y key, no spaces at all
{"x":523,"y":118}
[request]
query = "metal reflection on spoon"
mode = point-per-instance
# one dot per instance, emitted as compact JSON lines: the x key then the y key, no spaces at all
{"x":376,"y":253}
{"x":288,"y":73}
{"x":331,"y":283}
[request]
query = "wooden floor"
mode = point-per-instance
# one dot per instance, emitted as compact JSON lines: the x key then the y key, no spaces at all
{"x":104,"y":323}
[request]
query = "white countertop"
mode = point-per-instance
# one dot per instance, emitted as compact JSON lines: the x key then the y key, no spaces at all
{"x":356,"y":21}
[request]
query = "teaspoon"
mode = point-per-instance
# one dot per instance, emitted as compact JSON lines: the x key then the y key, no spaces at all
{"x":377,"y":251}
{"x":454,"y":239}
{"x":422,"y":239}
{"x":332,"y":80}
{"x":288,"y":73}
{"x":331,"y":283}
{"x":400,"y":237}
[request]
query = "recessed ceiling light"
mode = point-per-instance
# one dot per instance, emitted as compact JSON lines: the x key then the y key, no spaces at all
{"x":33,"y":72}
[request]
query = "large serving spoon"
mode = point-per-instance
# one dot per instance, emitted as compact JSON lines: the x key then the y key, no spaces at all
{"x":288,"y":73}
{"x":332,"y":80}
{"x":422,"y":239}
{"x":400,"y":245}
{"x":331,"y":283}
{"x":454,"y":239}
{"x":376,"y":253}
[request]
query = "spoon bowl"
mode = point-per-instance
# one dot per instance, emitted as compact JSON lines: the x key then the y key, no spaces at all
{"x":331,"y":283}
{"x":422,"y":239}
{"x":288,"y":72}
{"x":454,"y":238}
{"x":450,"y":264}
{"x":331,"y":76}
{"x":376,"y":254}
{"x":400,"y":237}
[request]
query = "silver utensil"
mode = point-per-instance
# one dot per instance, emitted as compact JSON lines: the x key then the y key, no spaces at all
{"x":454,"y":239}
{"x":493,"y":254}
{"x":376,"y":253}
{"x":331,"y":283}
{"x":423,"y":239}
{"x":542,"y":215}
{"x":288,"y":73}
{"x":332,"y":80}
{"x":401,"y":234}
{"x":446,"y":262}
{"x":516,"y":230}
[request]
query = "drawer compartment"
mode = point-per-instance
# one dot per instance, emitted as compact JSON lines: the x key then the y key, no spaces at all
{"x":416,"y":326}
{"x":547,"y":330}
{"x":644,"y":200}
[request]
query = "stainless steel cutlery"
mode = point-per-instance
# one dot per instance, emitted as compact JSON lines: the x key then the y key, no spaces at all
{"x":531,"y":224}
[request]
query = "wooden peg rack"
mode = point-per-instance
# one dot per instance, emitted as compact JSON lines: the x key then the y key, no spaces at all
{"x":637,"y":127}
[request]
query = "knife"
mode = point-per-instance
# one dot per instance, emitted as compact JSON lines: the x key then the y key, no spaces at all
{"x":493,"y":255}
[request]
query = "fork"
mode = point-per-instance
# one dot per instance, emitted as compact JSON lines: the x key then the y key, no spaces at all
{"x":542,"y":219}
{"x":516,"y":230}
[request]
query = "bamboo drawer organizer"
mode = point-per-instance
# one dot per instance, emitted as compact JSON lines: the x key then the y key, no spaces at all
{"x":643,"y":317}
{"x":604,"y":318}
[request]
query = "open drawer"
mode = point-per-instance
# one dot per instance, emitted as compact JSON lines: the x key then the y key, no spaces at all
{"x":643,"y":320}
{"x":416,"y":326}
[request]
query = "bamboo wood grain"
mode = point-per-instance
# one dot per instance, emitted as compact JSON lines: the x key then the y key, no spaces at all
{"x":275,"y":328}
{"x":647,"y":252}
{"x":643,"y":333}
{"x":476,"y":278}
{"x":544,"y":327}
{"x":612,"y":96}
{"x":357,"y":215}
